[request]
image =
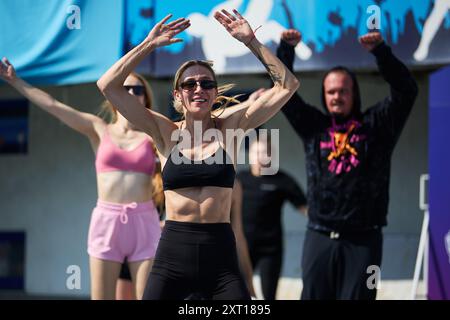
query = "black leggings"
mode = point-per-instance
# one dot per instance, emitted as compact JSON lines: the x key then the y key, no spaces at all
{"x":268,"y":261}
{"x":196,"y":258}
{"x":337,"y":269}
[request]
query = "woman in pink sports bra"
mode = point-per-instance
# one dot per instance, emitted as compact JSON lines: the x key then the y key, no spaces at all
{"x":125,"y":222}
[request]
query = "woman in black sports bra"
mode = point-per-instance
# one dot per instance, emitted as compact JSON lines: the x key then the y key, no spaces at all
{"x":197,"y":250}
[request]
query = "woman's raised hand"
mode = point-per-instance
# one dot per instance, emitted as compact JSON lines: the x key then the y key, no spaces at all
{"x":163,"y":34}
{"x":236,"y":25}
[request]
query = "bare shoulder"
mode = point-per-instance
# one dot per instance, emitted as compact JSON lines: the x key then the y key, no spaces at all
{"x":95,"y":127}
{"x":100,"y":126}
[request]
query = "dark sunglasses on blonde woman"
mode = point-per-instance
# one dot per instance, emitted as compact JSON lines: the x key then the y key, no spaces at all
{"x":204,"y":84}
{"x":135,"y":90}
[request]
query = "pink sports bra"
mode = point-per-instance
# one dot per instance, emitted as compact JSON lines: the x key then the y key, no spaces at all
{"x":112,"y":158}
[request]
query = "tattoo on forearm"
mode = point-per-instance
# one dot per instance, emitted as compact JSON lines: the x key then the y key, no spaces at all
{"x":274,"y":74}
{"x":271,"y":69}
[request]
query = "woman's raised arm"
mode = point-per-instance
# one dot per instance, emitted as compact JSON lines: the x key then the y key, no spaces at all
{"x":82,"y":122}
{"x":111,"y":83}
{"x":285,"y":83}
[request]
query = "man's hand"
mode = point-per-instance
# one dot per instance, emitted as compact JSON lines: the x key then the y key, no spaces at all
{"x":371,"y":40}
{"x":291,"y":36}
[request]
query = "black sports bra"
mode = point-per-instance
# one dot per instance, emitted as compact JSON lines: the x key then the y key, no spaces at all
{"x":186,"y":173}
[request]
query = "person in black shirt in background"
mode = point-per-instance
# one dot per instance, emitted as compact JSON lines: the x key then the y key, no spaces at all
{"x":348,"y":159}
{"x":263,"y":198}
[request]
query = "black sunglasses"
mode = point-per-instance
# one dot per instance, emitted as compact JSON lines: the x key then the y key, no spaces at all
{"x":204,"y":84}
{"x":135,"y":90}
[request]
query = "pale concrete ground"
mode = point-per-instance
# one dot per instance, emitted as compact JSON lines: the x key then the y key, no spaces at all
{"x":290,"y":289}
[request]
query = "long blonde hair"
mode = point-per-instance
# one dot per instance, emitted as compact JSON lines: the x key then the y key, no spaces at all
{"x":109,"y":113}
{"x":224,"y":101}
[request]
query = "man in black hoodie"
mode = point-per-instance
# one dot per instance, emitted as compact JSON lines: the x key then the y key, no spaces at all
{"x":348,"y":160}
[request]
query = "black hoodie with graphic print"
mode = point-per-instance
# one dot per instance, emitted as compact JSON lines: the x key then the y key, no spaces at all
{"x":348,"y":162}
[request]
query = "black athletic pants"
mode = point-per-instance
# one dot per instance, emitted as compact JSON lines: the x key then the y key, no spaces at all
{"x":196,"y":259}
{"x":337,"y":268}
{"x":268,"y":261}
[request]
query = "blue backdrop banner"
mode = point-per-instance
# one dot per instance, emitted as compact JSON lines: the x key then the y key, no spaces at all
{"x":61,"y":41}
{"x":73,"y":41}
{"x":417,"y":30}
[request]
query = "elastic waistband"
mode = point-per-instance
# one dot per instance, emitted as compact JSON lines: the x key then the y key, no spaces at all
{"x":130,"y":207}
{"x":192,"y":232}
{"x":197,"y":226}
{"x":123,"y":209}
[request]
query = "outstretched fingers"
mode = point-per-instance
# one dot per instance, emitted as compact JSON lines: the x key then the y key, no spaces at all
{"x":180,"y":23}
{"x":173,"y":23}
{"x":229,"y":15}
{"x":176,"y":30}
{"x":180,"y":26}
{"x":223,"y":20}
{"x":161,"y":23}
{"x":175,"y":40}
{"x":237,"y":14}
